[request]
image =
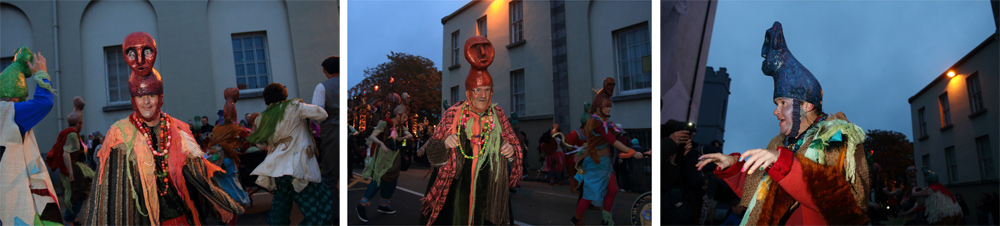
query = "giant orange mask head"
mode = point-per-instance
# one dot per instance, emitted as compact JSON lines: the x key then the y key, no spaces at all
{"x":479,"y":83}
{"x":139,"y":50}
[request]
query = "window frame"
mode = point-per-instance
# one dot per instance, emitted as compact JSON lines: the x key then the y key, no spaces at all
{"x":482,"y":26}
{"x":120,"y":62}
{"x":516,"y":15}
{"x":951,"y":164}
{"x":973,"y":85}
{"x":515,"y":83}
{"x":987,"y":164}
{"x":255,"y":63}
{"x":455,"y":49}
{"x":623,"y":86}
{"x":922,"y":121}
{"x":455,"y":98}
{"x":945,"y":107}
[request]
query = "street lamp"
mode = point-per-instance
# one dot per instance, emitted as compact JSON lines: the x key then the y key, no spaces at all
{"x":951,"y":74}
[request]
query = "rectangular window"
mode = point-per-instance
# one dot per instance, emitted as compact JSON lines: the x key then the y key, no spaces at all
{"x":927,"y":161}
{"x":250,"y":57}
{"x":987,"y":166}
{"x":517,"y":92}
{"x":117,"y":71}
{"x":454,"y":95}
{"x":975,"y":93}
{"x":454,"y":48}
{"x":516,"y":21}
{"x":945,"y":109}
{"x":949,"y":154}
{"x":923,"y":122}
{"x":632,"y":47}
{"x":481,"y":26}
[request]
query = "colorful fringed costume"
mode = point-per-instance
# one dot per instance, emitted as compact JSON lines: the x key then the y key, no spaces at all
{"x":150,"y":169}
{"x":825,"y":181}
{"x":28,"y":196}
{"x":473,"y":191}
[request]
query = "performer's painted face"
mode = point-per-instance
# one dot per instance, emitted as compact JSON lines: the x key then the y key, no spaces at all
{"x":140,"y":52}
{"x":147,"y":105}
{"x":480,"y":97}
{"x":784,"y":113}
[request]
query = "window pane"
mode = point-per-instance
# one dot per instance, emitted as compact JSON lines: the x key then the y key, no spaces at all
{"x":249,"y":55}
{"x":260,"y":54}
{"x":262,"y":68}
{"x":236,"y":44}
{"x":248,"y":42}
{"x":258,"y":41}
{"x":241,"y":81}
{"x":251,"y":70}
{"x":239,"y":70}
{"x":252,"y":83}
{"x":263,"y":80}
{"x":238,"y":56}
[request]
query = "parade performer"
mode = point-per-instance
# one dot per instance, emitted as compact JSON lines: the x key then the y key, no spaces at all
{"x":150,"y":168}
{"x":472,"y":145}
{"x":594,"y":169}
{"x":385,"y":162}
{"x":814,"y":172}
{"x":68,"y":156}
{"x":938,"y":204}
{"x":28,"y":196}
{"x":223,"y":149}
{"x":291,"y":170}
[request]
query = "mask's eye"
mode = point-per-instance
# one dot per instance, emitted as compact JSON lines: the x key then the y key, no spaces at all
{"x":147,"y":53}
{"x":130,"y":54}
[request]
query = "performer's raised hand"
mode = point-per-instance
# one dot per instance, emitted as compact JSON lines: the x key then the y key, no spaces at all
{"x":38,"y":64}
{"x":507,"y":150}
{"x":451,"y":141}
{"x":637,"y":155}
{"x":720,"y":160}
{"x":758,"y":159}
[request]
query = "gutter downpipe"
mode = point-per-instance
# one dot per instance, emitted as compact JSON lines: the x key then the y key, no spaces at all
{"x":55,"y":38}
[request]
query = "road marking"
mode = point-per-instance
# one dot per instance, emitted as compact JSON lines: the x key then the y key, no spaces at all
{"x":422,"y":195}
{"x":560,"y":195}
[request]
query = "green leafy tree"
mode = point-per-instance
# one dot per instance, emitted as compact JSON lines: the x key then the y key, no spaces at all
{"x":415,"y":75}
{"x":892,"y":151}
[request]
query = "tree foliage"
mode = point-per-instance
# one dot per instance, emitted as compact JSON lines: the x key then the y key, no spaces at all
{"x":413,"y":74}
{"x":891,"y":150}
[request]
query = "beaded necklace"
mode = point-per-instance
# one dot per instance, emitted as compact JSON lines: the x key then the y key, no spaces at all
{"x":607,"y":124}
{"x":486,"y":125}
{"x":160,"y":156}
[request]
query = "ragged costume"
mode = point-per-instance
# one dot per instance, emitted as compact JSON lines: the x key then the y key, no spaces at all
{"x":24,"y":177}
{"x":471,"y":184}
{"x":150,"y":169}
{"x":821,"y":175}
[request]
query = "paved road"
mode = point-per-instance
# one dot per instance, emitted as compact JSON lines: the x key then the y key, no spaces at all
{"x":535,"y":203}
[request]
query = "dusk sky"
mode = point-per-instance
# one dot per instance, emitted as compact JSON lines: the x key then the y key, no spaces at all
{"x":374,"y":28}
{"x":870,"y":57}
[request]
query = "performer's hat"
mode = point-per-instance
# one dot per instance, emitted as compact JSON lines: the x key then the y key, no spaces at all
{"x":479,"y":53}
{"x":791,"y":79}
{"x":139,"y":50}
{"x":603,"y":97}
{"x":76,"y":115}
{"x":229,"y":110}
{"x":12,"y":83}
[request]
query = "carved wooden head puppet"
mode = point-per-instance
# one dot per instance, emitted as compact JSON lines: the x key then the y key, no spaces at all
{"x":139,"y":50}
{"x":479,"y":53}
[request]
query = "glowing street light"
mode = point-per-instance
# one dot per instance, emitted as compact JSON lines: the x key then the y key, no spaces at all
{"x":951,"y":74}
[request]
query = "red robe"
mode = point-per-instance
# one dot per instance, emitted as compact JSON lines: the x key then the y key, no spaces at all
{"x":55,"y":157}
